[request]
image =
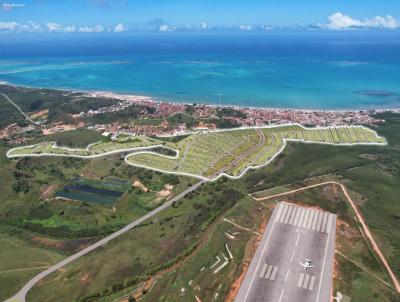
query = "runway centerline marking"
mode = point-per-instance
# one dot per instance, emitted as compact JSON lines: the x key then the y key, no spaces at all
{"x":287,"y":275}
{"x":281,"y":295}
{"x":291,"y":258}
{"x":297,"y":239}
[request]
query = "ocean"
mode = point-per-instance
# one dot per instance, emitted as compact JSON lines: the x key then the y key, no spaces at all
{"x":302,"y":70}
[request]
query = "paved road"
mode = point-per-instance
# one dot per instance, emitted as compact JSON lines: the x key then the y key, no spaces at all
{"x":275,"y":273}
{"x":19,"y":109}
{"x":20,"y":296}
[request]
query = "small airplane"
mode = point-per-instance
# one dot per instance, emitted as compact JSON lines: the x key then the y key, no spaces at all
{"x":307,"y":264}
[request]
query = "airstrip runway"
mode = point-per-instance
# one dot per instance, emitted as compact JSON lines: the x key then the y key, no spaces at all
{"x":276,"y":274}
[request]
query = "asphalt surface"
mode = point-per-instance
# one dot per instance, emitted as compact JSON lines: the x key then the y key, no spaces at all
{"x":20,"y":296}
{"x":275,"y":274}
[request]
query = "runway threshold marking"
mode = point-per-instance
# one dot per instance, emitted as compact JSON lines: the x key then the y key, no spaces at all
{"x":306,"y":218}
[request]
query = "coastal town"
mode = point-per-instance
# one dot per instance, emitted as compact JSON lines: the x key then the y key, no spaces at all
{"x":204,"y":116}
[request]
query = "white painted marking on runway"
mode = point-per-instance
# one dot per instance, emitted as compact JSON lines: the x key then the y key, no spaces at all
{"x":323,"y":266}
{"x":311,"y":285}
{"x":306,"y":218}
{"x":328,"y":226}
{"x":291,"y":258}
{"x":305,"y":283}
{"x":281,"y":295}
{"x":264,"y":268}
{"x":269,"y":271}
{"x":314,"y":223}
{"x":319,"y":223}
{"x":297,"y":239}
{"x":310,"y":219}
{"x":259,"y":261}
{"x":295,"y":210}
{"x":303,"y":210}
{"x":283,"y":213}
{"x":273,"y":275}
{"x":324,"y":222}
{"x":288,"y":215}
{"x":300,"y":282}
{"x":278,"y":215}
{"x":287,"y":275}
{"x":296,"y":220}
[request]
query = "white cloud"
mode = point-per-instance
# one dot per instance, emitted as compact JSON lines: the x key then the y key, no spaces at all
{"x":245,"y":27}
{"x":55,"y":27}
{"x":9,"y":26}
{"x":34,"y":27}
{"x":17,"y":27}
{"x":69,"y":29}
{"x":164,"y":28}
{"x":204,"y":25}
{"x":91,"y":29}
{"x":340,"y":21}
{"x":384,"y":22}
{"x":119,"y":28}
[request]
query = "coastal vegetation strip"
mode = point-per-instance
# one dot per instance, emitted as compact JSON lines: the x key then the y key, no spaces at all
{"x":209,"y":154}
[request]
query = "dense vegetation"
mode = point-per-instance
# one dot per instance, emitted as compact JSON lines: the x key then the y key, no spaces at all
{"x":45,"y":229}
{"x":61,"y":104}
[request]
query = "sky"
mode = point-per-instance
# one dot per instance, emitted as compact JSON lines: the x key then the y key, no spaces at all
{"x":171,"y":15}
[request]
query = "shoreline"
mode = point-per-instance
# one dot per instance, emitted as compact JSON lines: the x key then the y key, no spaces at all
{"x":132,"y":97}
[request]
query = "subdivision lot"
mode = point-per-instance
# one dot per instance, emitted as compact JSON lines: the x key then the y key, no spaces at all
{"x":275,"y":274}
{"x":203,"y":155}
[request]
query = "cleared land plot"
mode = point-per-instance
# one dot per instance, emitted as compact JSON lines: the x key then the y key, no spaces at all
{"x":209,"y":154}
{"x":206,"y":154}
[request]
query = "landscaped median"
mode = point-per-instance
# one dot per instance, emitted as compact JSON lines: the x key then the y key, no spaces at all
{"x":208,"y":155}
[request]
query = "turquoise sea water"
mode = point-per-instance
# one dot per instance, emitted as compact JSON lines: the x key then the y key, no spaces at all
{"x":337,"y":71}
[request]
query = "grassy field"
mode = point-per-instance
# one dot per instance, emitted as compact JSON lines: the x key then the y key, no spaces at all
{"x":175,"y":245}
{"x":74,"y":139}
{"x":205,"y":154}
{"x":173,"y":274}
{"x":41,"y":224}
{"x":20,"y":262}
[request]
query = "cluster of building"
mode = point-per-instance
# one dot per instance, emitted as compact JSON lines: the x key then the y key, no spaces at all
{"x":203,"y":114}
{"x":250,"y":117}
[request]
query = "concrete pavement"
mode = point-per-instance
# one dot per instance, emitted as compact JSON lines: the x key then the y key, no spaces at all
{"x":276,"y":274}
